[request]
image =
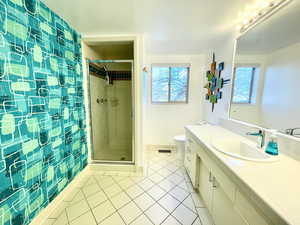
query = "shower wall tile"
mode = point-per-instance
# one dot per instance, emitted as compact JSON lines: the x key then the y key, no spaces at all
{"x":42,"y":118}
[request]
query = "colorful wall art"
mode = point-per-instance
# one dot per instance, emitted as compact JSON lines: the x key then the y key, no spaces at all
{"x":215,"y":82}
{"x":42,"y":118}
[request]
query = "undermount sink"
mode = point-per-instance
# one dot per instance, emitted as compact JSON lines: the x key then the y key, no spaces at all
{"x":242,"y":150}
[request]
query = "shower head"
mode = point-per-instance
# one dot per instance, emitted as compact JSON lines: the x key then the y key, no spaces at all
{"x":105,"y":68}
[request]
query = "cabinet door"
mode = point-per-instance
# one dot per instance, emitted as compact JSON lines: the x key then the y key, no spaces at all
{"x":223,"y":211}
{"x":249,"y":212}
{"x":205,"y":185}
{"x":194,"y":173}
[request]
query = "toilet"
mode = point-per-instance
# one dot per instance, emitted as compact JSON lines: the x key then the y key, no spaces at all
{"x":180,"y":146}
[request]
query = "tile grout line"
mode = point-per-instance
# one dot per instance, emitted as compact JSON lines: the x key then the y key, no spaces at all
{"x":175,"y":169}
{"x":144,"y":191}
{"x":70,"y":221}
{"x":67,"y":215}
{"x":176,"y":185}
{"x":180,"y":202}
{"x":89,"y":203}
{"x":84,"y":198}
{"x":132,"y":200}
{"x":108,"y":199}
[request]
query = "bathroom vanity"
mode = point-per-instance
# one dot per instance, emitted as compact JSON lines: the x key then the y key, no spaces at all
{"x":239,"y":183}
{"x":238,"y":191}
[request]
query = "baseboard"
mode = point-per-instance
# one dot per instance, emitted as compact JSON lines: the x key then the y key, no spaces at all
{"x":46,"y":212}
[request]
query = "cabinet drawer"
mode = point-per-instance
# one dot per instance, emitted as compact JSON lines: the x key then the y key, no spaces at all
{"x":192,"y":145}
{"x":247,"y":210}
{"x":204,"y":157}
{"x":188,"y":158}
{"x":188,"y":151}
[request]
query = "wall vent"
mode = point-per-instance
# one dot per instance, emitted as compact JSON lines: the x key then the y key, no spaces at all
{"x":164,"y":151}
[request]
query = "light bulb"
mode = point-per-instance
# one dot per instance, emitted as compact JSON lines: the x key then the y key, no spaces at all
{"x":245,"y":21}
{"x":277,"y":2}
{"x":254,"y":14}
{"x":264,"y":4}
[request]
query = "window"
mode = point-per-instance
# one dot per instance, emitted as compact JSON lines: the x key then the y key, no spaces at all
{"x":243,"y":84}
{"x":170,"y":83}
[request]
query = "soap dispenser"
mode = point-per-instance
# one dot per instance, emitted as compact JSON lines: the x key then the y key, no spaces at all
{"x":272,"y":147}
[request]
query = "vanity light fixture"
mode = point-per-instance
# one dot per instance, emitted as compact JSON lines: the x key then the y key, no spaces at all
{"x":265,"y":10}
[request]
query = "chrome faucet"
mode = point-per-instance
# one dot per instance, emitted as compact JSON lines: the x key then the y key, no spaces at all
{"x":261,"y":137}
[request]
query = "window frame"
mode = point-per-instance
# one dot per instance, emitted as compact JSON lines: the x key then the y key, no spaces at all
{"x":254,"y":69}
{"x":171,"y":65}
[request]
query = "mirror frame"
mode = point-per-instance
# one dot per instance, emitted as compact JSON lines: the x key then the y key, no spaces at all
{"x":240,"y":34}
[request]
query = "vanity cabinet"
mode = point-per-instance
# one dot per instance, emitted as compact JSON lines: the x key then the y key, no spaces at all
{"x":216,"y":199}
{"x":243,"y":205}
{"x":222,"y":209}
{"x":225,"y":202}
{"x":205,"y":186}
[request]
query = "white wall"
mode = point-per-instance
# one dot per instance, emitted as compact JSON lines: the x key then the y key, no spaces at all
{"x":225,"y":55}
{"x":163,"y":121}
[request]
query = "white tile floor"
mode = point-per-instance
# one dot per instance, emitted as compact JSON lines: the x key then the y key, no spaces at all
{"x":163,"y":195}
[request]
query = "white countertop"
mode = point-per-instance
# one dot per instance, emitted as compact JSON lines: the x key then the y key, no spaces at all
{"x":277,"y":184}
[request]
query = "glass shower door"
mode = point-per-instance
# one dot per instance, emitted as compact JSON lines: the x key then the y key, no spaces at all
{"x":98,"y":116}
{"x":111,"y":115}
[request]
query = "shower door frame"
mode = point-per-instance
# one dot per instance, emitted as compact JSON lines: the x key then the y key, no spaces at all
{"x":88,"y":61}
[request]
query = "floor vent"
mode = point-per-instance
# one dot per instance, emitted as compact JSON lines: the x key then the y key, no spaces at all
{"x":164,"y":151}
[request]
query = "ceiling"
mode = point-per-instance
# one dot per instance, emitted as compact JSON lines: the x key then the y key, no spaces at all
{"x":279,"y":31}
{"x":169,"y":26}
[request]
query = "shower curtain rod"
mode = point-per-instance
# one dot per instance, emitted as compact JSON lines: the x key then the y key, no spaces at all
{"x":109,"y":61}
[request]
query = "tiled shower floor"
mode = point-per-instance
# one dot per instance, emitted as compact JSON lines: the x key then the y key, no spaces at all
{"x":110,"y":154}
{"x":163,"y":195}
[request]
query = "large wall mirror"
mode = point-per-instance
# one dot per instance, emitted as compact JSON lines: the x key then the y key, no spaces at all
{"x":266,"y":80}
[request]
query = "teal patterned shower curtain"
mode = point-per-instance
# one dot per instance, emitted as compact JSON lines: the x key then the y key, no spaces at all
{"x":42,"y":117}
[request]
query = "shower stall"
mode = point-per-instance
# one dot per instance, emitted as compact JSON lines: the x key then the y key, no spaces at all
{"x":111,"y":110}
